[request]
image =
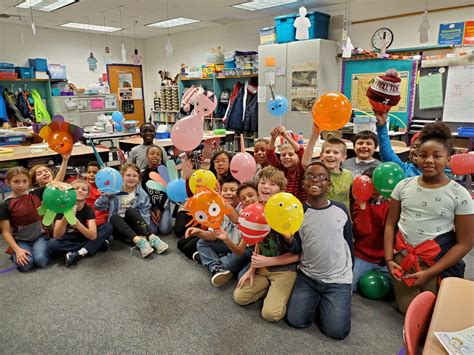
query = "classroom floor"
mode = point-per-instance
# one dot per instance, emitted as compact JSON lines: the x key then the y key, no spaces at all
{"x":117,"y":303}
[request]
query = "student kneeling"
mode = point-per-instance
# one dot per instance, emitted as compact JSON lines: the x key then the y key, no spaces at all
{"x":82,"y":238}
{"x":324,"y":282}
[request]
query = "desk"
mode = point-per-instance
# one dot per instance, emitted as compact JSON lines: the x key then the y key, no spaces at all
{"x":453,"y":311}
{"x":81,"y":154}
{"x":128,"y":143}
{"x":98,"y":137}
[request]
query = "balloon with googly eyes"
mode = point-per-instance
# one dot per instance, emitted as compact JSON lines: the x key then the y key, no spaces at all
{"x":277,"y":106}
{"x":284,"y":213}
{"x":253,"y":226}
{"x":206,"y":208}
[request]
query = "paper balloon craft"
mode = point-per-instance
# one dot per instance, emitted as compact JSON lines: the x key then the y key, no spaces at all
{"x":61,"y":135}
{"x":331,"y":111}
{"x":200,"y":179}
{"x":117,"y":118}
{"x":187,"y":133}
{"x":58,"y":197}
{"x":206,"y":103}
{"x":167,"y":180}
{"x":206,"y":208}
{"x":386,"y":176}
{"x":243,"y":166}
{"x":284,"y":213}
{"x":108,"y":180}
{"x":253,"y":226}
{"x":362,"y":188}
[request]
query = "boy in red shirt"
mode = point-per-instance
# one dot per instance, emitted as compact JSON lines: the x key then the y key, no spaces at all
{"x":369,"y":225}
{"x":289,"y":163}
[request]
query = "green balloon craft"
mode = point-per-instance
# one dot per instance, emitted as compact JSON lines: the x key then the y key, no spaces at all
{"x":58,"y":197}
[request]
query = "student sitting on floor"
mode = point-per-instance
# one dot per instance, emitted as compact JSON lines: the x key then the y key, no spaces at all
{"x":430,"y":222}
{"x":365,"y":143}
{"x":291,"y":154}
{"x":41,"y":175}
{"x":333,"y":153}
{"x":323,"y":287}
{"x":160,"y":206}
{"x":137,"y":155}
{"x":129,"y":214}
{"x":270,"y":275}
{"x":82,"y":238}
{"x":213,"y":252}
{"x":20,"y":222}
{"x":369,"y":225}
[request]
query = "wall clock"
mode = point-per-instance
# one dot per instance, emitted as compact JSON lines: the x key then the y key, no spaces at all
{"x":382,"y":36}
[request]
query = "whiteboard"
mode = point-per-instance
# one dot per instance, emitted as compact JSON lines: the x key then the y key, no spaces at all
{"x":459,"y":97}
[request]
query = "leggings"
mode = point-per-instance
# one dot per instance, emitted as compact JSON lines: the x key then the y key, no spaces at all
{"x":182,"y":218}
{"x":188,"y":246}
{"x":133,"y":224}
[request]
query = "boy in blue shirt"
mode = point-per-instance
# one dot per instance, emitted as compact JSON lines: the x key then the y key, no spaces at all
{"x":324,"y":282}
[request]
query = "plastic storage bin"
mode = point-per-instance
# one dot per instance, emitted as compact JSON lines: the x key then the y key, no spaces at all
{"x":162,"y":135}
{"x":39,"y":64}
{"x":268,"y":35}
{"x":8,"y":76}
{"x":12,"y":139}
{"x":25,"y":72}
{"x":319,"y":25}
{"x":285,"y":31}
{"x":7,"y":66}
{"x":364,"y":123}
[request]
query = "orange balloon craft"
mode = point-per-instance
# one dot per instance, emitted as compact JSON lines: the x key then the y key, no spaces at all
{"x":61,"y":135}
{"x":331,"y":111}
{"x":206,"y":208}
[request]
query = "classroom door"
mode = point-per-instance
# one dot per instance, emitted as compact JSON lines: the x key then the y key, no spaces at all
{"x":126,"y":80}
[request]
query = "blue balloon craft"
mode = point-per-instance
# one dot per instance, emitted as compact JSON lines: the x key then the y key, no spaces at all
{"x":277,"y":106}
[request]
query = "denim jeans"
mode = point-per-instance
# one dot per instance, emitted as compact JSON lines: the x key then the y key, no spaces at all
{"x":165,"y":226}
{"x":39,"y":253}
{"x":331,"y":301}
{"x":216,"y":253}
{"x":361,"y":267}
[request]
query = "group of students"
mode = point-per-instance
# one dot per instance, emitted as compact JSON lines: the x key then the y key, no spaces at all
{"x":420,"y":234}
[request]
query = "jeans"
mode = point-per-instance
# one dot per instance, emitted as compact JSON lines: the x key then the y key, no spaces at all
{"x":73,"y":242}
{"x":39,"y":253}
{"x":165,"y":226}
{"x":332,"y":301}
{"x":216,"y":253}
{"x":361,"y":267}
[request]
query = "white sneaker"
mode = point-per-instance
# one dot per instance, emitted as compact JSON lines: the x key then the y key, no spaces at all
{"x":144,"y":247}
{"x":158,"y":244}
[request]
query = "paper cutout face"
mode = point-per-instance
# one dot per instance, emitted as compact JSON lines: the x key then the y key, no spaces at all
{"x":205,"y":105}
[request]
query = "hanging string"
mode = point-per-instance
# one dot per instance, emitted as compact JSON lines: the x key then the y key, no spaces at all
{"x":89,"y":30}
{"x":167,"y":18}
{"x":105,"y":33}
{"x":121,"y":25}
{"x":134,"y":33}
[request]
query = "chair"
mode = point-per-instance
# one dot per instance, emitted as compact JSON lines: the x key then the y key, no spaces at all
{"x":463,"y":164}
{"x":417,"y":322}
{"x":397,"y":143}
{"x":325,"y":135}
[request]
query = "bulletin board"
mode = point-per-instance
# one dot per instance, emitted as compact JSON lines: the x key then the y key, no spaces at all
{"x":356,"y":77}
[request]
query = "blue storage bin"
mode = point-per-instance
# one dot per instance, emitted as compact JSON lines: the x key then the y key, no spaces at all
{"x":162,"y":135}
{"x":229,"y":64}
{"x":39,"y":64}
{"x":25,"y":72}
{"x":7,"y":66}
{"x":319,"y":25}
{"x":285,"y":31}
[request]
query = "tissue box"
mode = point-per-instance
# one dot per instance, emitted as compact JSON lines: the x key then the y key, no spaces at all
{"x":364,"y":123}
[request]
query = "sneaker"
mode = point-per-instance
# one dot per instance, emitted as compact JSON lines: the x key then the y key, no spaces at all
{"x":105,"y":246}
{"x":72,"y":258}
{"x":220,"y":276}
{"x":158,"y":244}
{"x":144,"y":247}
{"x":197,"y":257}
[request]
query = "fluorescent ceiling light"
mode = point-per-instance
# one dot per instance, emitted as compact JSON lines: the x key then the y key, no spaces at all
{"x":45,"y":5}
{"x":85,"y":26}
{"x":179,"y":21}
{"x":262,"y":4}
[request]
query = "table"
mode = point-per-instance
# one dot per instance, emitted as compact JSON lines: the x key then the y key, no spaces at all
{"x":81,"y":154}
{"x":98,"y":137}
{"x":453,"y":311}
{"x":128,"y":143}
{"x":402,"y":152}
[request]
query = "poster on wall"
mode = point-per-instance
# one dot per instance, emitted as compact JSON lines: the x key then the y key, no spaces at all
{"x":304,"y":86}
{"x":360,"y":84}
{"x":125,"y":80}
{"x":468,"y":33}
{"x":450,"y":33}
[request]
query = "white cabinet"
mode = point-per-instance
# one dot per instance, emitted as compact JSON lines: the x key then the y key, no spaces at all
{"x":295,"y":57}
{"x":68,"y":107}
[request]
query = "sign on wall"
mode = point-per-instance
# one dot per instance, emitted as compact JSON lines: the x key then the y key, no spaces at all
{"x":451,"y":33}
